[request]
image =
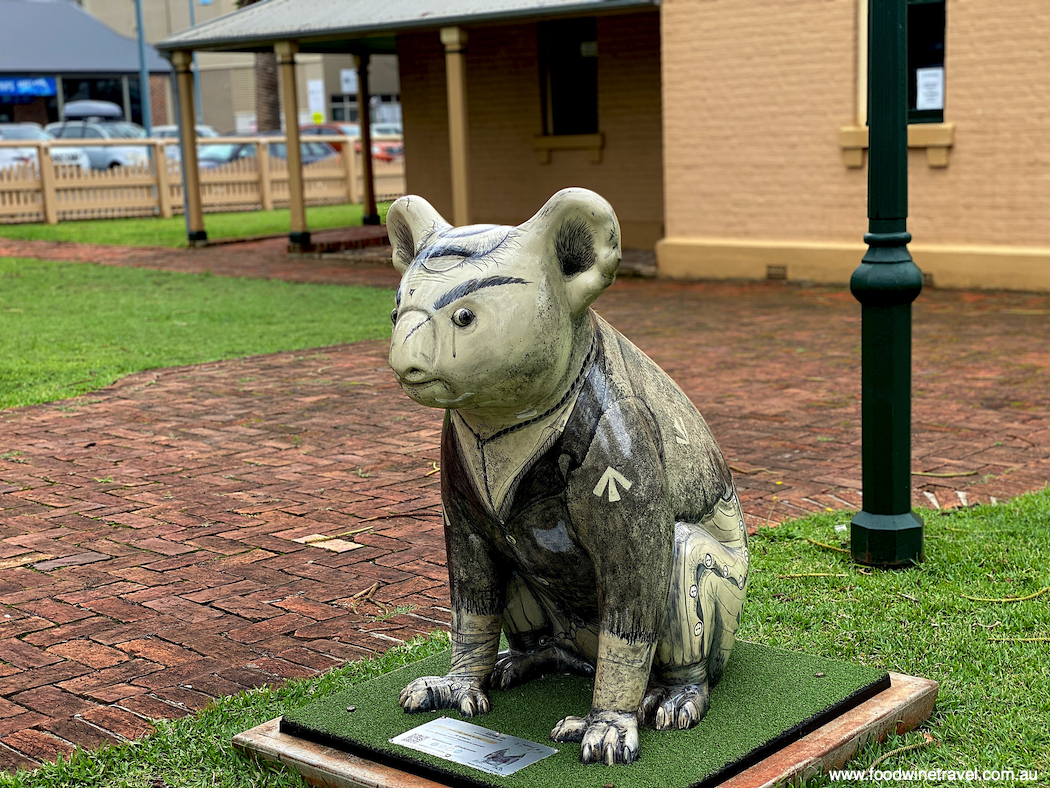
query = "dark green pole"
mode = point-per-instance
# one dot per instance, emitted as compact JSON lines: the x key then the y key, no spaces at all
{"x":886,"y":532}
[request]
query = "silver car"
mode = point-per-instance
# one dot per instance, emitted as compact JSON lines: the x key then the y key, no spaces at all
{"x":104,"y":157}
{"x":87,"y":119}
{"x":60,"y":154}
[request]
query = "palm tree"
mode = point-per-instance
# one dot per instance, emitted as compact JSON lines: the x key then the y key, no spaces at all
{"x":267,"y":100}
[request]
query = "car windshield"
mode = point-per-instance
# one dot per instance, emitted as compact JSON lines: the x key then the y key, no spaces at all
{"x":350,"y":129}
{"x":316,"y":150}
{"x":217,"y":152}
{"x":124,"y":130}
{"x":24,"y":133}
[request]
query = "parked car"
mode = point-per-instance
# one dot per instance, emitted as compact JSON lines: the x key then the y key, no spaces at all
{"x":60,"y":154}
{"x":334,"y":129}
{"x":219,"y":153}
{"x":167,"y":132}
{"x":102,"y":120}
{"x":388,"y":129}
{"x":386,"y":150}
{"x":387,"y":144}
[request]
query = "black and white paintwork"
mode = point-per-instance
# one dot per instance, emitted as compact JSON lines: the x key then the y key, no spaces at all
{"x":589,"y":513}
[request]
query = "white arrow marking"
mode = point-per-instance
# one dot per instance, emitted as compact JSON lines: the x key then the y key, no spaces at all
{"x":609,"y":480}
{"x":679,"y":427}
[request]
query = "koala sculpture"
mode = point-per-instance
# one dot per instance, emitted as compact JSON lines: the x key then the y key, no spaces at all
{"x":589,"y":513}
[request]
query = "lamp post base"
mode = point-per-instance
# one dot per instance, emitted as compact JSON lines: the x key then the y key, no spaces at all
{"x":886,"y":540}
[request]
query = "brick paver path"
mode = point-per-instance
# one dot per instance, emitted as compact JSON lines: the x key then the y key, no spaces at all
{"x":191,"y":532}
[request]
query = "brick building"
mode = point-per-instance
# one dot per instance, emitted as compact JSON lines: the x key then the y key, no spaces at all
{"x":729,"y":134}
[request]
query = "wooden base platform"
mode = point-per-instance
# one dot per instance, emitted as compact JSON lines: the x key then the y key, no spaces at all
{"x":907,"y":703}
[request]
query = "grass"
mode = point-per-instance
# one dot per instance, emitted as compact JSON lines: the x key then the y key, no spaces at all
{"x":995,"y":676}
{"x":67,"y":329}
{"x":993,"y":669}
{"x":154,"y":231}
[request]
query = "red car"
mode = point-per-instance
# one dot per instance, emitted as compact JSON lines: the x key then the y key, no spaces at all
{"x":385,"y":147}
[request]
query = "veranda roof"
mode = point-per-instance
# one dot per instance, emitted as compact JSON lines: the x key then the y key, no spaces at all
{"x":329,"y":25}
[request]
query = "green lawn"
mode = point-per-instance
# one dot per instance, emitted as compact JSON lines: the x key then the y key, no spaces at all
{"x":69,"y":328}
{"x":991,"y":657}
{"x":153,"y":231}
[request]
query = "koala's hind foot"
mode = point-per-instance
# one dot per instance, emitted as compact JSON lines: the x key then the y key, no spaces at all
{"x":675,"y":707}
{"x":465,"y":694}
{"x":608,"y":737}
{"x":515,"y":667}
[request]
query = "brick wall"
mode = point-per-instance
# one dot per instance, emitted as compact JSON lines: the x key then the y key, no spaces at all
{"x":996,"y":189}
{"x":755,"y":92}
{"x":507,"y":182}
{"x":158,"y":98}
{"x":33,"y":112}
{"x":754,"y":95}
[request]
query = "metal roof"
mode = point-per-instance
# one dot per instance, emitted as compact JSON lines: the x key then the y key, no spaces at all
{"x":366,"y":25}
{"x":59,"y":37}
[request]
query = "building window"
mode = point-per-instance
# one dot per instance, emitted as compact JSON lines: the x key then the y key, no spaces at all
{"x":569,"y":76}
{"x":926,"y":26}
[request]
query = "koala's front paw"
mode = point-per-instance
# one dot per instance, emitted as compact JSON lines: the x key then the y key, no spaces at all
{"x":466,"y":694}
{"x":608,"y":737}
{"x":677,"y":707}
{"x":516,"y":667}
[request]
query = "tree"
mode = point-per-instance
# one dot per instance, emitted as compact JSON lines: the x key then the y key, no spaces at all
{"x":267,"y":98}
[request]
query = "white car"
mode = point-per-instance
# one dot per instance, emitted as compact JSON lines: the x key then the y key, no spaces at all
{"x":60,"y":154}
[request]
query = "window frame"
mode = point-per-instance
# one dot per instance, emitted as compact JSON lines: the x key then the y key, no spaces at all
{"x":914,"y":116}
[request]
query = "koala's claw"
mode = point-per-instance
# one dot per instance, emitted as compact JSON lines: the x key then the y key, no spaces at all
{"x":679,"y":707}
{"x":516,"y":667}
{"x":465,"y":694}
{"x":608,"y":737}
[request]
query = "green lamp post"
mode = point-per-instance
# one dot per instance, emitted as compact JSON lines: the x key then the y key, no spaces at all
{"x":886,"y":532}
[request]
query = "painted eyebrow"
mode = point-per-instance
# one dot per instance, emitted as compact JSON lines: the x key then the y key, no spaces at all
{"x":448,"y":246}
{"x":465,"y":289}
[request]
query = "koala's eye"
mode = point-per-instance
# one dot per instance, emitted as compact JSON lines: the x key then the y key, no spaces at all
{"x":462,"y":317}
{"x":393,"y":316}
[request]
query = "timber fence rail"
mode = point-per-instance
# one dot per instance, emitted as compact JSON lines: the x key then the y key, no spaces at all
{"x":42,"y":191}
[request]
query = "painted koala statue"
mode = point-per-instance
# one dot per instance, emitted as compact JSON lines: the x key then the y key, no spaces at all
{"x":589,"y":513}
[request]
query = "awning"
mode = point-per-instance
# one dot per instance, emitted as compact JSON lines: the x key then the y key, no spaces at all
{"x":59,"y":37}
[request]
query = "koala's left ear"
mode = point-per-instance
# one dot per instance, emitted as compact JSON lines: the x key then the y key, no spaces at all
{"x":583,"y":235}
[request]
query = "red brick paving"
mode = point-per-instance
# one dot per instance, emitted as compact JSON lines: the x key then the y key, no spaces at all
{"x":148,"y":531}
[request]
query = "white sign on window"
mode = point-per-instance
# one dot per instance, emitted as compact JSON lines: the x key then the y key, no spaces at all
{"x":348,"y":81}
{"x":929,"y":84}
{"x":315,"y":99}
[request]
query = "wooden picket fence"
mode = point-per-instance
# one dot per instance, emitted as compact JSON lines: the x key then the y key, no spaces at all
{"x":53,"y":193}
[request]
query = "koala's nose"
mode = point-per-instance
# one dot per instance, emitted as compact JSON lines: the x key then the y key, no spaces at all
{"x":412,"y":347}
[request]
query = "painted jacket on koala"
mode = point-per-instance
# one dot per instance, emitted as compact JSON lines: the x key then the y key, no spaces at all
{"x":603,"y":491}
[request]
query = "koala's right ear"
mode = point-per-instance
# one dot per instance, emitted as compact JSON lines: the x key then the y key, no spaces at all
{"x":410,"y":222}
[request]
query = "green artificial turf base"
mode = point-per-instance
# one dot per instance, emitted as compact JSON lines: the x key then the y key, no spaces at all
{"x":766,"y":699}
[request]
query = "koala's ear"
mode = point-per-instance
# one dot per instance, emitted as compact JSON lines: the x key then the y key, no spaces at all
{"x":582,"y":234}
{"x":411,"y":222}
